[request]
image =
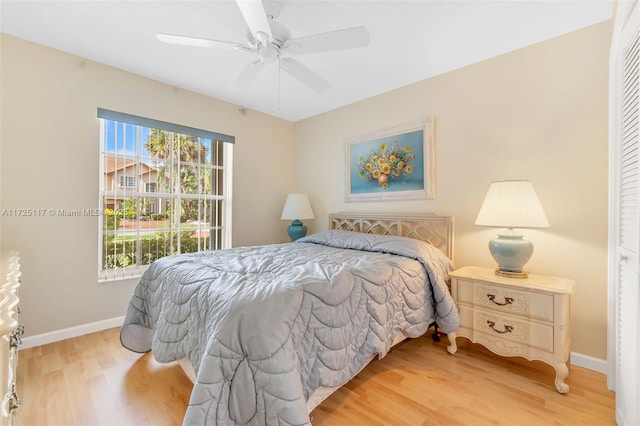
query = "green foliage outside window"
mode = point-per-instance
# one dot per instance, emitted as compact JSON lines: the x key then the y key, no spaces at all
{"x":121,"y":253}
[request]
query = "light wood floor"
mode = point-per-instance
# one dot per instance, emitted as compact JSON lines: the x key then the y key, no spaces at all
{"x":91,"y":380}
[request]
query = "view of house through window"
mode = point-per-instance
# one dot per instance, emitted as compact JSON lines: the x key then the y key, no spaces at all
{"x":161,"y":193}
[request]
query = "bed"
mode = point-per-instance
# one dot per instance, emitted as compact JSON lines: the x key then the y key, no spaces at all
{"x":272,"y":330}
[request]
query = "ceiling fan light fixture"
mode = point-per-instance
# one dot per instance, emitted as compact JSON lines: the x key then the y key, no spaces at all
{"x":269,"y":52}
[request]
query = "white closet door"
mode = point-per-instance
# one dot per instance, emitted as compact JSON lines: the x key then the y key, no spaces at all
{"x":624,"y":261}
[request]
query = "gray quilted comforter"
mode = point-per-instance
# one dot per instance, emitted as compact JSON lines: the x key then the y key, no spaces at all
{"x":265,"y":326}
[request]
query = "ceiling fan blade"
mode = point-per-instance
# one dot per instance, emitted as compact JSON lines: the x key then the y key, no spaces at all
{"x":304,"y":74}
{"x":196,"y":42}
{"x":247,"y":75}
{"x":256,"y":18}
{"x":333,"y":40}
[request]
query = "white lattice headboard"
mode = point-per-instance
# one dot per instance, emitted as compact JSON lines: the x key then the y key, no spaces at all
{"x":437,"y":230}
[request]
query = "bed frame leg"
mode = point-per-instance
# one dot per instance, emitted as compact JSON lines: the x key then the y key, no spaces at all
{"x":435,"y":336}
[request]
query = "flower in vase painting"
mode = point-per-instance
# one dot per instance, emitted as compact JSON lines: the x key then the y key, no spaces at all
{"x":386,"y":163}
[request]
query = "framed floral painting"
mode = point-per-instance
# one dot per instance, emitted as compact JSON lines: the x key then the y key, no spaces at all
{"x":392,"y":164}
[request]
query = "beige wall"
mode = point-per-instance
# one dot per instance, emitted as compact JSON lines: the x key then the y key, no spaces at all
{"x":50,"y":159}
{"x":540,"y":113}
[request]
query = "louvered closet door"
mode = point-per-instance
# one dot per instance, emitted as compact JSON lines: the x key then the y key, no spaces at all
{"x":625,"y":259}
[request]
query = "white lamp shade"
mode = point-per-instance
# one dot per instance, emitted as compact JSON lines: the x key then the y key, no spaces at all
{"x":512,"y":204}
{"x":297,"y":207}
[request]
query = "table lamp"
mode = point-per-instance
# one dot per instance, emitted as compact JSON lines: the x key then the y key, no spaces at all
{"x":296,"y":207}
{"x":511,"y":204}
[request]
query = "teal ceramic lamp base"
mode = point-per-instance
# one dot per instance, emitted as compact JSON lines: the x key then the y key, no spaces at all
{"x":511,"y":252}
{"x":296,"y":230}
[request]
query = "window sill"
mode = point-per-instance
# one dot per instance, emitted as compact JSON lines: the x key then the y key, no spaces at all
{"x":127,"y":275}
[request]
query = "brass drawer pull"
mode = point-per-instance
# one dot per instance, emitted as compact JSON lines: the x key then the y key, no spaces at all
{"x":507,"y":328}
{"x":11,"y":402}
{"x":15,"y":337}
{"x":15,"y":402}
{"x":507,"y":300}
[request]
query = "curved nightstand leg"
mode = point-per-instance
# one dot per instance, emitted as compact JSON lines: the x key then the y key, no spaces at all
{"x":452,"y":348}
{"x":561,"y":373}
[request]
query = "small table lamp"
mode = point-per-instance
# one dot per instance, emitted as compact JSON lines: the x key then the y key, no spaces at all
{"x":295,"y":208}
{"x":511,"y":204}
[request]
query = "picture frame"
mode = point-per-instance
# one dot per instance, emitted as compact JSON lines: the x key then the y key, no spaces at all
{"x":397,"y":163}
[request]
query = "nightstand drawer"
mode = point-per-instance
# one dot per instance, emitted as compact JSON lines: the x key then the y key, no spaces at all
{"x":507,"y":327}
{"x":514,"y":301}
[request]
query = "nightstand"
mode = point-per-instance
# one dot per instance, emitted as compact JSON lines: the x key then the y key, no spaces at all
{"x":527,"y":317}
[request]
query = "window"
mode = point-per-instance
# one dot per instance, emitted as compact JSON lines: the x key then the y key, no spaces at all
{"x":164,"y":190}
{"x":128,"y":181}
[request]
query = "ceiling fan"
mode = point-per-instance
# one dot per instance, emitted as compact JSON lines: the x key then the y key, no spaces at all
{"x":272,"y":43}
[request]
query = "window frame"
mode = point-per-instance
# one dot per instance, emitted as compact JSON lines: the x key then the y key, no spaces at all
{"x":223,"y":203}
{"x":124,"y":179}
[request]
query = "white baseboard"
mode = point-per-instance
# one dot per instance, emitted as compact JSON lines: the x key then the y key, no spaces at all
{"x":586,"y":361}
{"x":68,"y":333}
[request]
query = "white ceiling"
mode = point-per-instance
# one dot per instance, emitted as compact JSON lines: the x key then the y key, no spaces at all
{"x":409,"y":41}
